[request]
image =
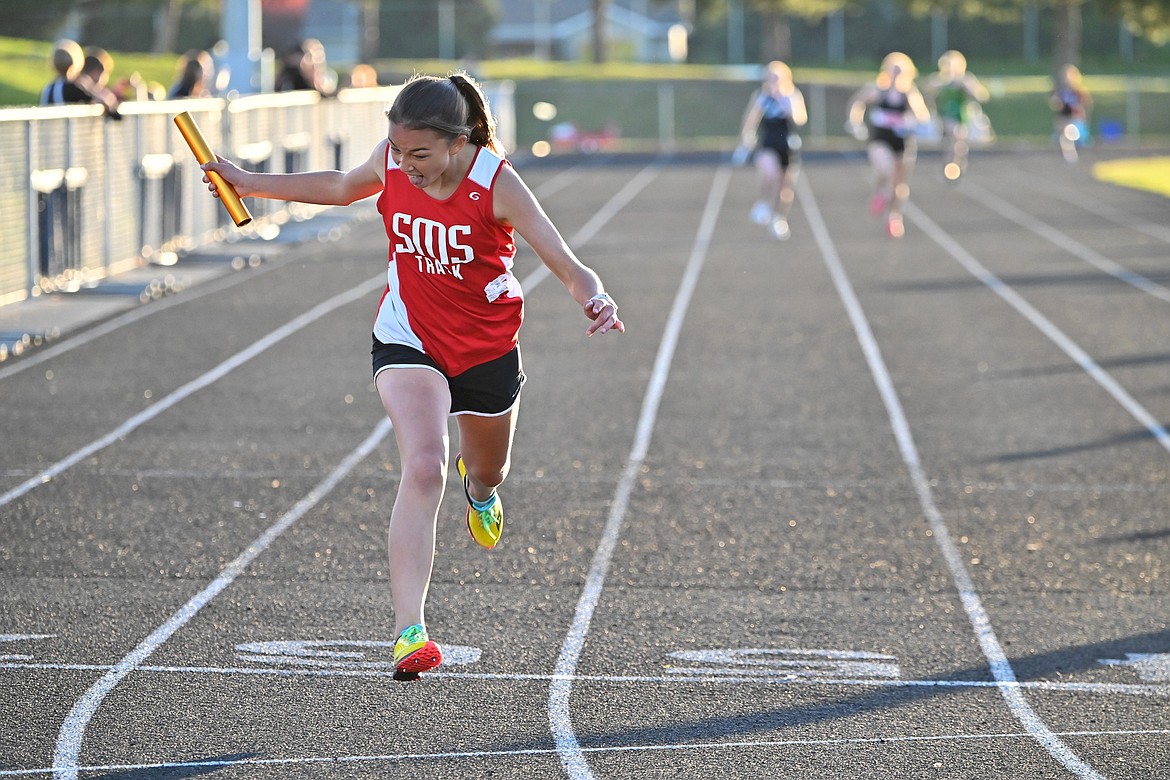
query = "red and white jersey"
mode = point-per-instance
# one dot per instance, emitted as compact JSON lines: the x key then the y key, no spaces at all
{"x":450,"y":291}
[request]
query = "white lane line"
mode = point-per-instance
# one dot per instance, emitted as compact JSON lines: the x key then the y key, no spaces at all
{"x":1098,"y":208}
{"x":687,"y":676}
{"x":738,"y":745}
{"x":235,"y":361}
{"x":1041,"y":323}
{"x":74,"y":340}
{"x":559,"y":181}
{"x":1001,"y":668}
{"x":219,"y":284}
{"x":560,"y":718}
{"x":69,"y":739}
{"x":607,"y":212}
{"x":1068,"y":244}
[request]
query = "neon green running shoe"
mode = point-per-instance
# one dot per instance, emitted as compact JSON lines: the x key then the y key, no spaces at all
{"x":414,"y":652}
{"x":484,"y":525}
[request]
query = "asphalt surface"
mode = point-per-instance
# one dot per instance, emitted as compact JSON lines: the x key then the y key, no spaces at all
{"x":839,"y":506}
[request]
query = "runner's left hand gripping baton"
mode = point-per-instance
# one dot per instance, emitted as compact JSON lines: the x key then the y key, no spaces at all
{"x":203,"y":153}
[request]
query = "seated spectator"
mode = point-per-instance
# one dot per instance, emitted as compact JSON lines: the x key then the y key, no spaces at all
{"x":133,"y":87}
{"x":196,"y":74}
{"x":305,"y":68}
{"x":362,"y":76}
{"x":95,"y":75}
{"x":67,"y":61}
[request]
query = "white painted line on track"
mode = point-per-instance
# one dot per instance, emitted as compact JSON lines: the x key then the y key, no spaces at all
{"x":1001,"y":668}
{"x":1041,"y":323}
{"x":1065,"y":242}
{"x":135,"y":314}
{"x":687,"y":676}
{"x":1098,"y":208}
{"x":560,"y":181}
{"x":607,"y":212}
{"x":739,"y":745}
{"x":154,"y":307}
{"x":560,"y":719}
{"x":69,"y":739}
{"x":195,"y":385}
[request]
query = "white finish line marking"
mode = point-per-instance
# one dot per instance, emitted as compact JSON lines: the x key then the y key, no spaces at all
{"x":792,"y":662}
{"x":673,"y":676}
{"x":341,"y":653}
{"x":687,"y":746}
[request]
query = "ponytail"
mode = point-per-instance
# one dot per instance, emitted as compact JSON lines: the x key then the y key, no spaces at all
{"x":451,"y":106}
{"x":482,"y":125}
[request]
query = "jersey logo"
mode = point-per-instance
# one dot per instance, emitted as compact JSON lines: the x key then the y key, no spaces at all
{"x":436,"y":246}
{"x":497,"y":287}
{"x":474,"y":196}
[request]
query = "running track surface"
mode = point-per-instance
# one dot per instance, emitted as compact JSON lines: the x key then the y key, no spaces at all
{"x":841,"y":506}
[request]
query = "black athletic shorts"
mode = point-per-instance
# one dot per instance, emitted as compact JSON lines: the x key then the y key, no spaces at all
{"x":784,"y":152}
{"x":489,"y":389}
{"x":883,"y":135}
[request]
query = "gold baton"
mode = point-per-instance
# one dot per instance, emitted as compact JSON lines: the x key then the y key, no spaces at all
{"x":203,"y":153}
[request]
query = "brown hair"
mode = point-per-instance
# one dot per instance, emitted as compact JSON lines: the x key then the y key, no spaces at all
{"x":451,"y":106}
{"x":67,"y":58}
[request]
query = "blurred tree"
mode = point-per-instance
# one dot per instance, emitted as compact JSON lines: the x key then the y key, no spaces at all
{"x":994,"y":10}
{"x":155,"y":22}
{"x":776,"y":36}
{"x":600,"y":30}
{"x":166,"y":30}
{"x":1147,"y":18}
{"x":1068,"y":34}
{"x":44,"y":19}
{"x":410,"y":28}
{"x":157,"y":26}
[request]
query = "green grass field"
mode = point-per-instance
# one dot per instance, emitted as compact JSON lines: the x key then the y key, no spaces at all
{"x":25,"y":69}
{"x":1146,"y":173}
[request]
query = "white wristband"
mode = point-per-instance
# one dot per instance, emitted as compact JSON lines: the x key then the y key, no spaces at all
{"x":605,"y":299}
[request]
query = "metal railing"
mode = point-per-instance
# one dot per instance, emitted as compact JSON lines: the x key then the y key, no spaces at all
{"x":84,"y":196}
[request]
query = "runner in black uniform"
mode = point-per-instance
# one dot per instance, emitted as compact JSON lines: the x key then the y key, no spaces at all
{"x":769,"y":124}
{"x":894,"y":109}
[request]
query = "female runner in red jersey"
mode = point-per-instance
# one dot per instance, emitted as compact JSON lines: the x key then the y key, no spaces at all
{"x":446,"y":332}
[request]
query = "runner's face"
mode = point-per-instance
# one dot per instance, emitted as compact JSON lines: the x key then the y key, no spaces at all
{"x":421,"y":153}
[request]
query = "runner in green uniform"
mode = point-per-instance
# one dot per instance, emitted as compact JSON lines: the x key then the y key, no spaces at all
{"x":957,"y":96}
